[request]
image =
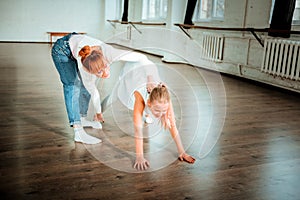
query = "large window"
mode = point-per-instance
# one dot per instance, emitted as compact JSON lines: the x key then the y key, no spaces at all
{"x":209,"y":10}
{"x":155,"y":10}
{"x":296,"y":16}
{"x":119,"y":9}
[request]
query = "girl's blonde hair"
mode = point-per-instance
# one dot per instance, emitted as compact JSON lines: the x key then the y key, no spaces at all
{"x":92,"y":60}
{"x":161,"y":94}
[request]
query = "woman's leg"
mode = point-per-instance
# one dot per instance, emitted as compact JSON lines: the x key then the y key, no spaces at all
{"x":84,"y":100}
{"x":67,"y":69}
{"x":66,"y":66}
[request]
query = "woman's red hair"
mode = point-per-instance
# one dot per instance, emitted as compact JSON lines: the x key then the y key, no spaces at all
{"x":92,"y":60}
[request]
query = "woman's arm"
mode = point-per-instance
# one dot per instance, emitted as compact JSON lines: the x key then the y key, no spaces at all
{"x":175,"y":135}
{"x":139,"y":105}
{"x":89,"y":81}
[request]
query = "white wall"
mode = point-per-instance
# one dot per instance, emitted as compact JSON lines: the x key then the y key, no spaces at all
{"x":29,"y":20}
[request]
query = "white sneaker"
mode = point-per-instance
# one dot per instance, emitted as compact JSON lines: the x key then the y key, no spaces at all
{"x":87,"y":123}
{"x":83,"y":137}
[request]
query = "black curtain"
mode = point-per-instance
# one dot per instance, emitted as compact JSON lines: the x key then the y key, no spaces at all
{"x":125,"y":11}
{"x":191,"y":4}
{"x":282,"y":16}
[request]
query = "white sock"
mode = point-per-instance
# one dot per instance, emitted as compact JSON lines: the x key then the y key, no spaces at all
{"x":82,"y":136}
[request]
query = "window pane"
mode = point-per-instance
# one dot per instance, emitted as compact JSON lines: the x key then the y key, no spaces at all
{"x":205,"y":8}
{"x":155,"y":10}
{"x":119,"y":9}
{"x":296,"y":16}
{"x":218,"y":11}
{"x":209,"y":10}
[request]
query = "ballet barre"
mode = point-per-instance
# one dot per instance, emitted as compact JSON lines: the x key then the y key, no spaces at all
{"x":60,"y":34}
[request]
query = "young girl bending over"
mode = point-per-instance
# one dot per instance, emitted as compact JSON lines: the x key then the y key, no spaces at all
{"x":160,"y":105}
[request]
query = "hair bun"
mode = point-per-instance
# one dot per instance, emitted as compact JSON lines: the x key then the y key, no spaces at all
{"x":161,"y":85}
{"x":84,"y":52}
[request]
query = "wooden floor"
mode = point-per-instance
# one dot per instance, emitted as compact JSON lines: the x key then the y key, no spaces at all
{"x":257,"y":155}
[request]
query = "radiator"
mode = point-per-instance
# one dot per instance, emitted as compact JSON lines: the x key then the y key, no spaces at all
{"x":212,"y":47}
{"x":281,"y":58}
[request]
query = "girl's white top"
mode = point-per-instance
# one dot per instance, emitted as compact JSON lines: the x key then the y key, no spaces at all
{"x":134,"y":78}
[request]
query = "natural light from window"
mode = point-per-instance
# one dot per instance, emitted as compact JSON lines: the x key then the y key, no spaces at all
{"x":155,"y":10}
{"x":296,"y":16}
{"x":209,"y":10}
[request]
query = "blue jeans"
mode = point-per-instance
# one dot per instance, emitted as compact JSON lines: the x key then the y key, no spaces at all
{"x":76,"y":96}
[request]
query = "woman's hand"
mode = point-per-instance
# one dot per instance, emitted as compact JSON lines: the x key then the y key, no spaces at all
{"x":187,"y":158}
{"x":141,"y":163}
{"x":99,"y":117}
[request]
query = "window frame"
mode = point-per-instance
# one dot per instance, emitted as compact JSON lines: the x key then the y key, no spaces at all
{"x":162,"y":14}
{"x":296,"y":22}
{"x":212,"y":11}
{"x":119,"y":9}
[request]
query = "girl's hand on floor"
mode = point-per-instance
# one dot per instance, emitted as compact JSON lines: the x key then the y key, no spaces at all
{"x":187,"y":158}
{"x":141,"y":163}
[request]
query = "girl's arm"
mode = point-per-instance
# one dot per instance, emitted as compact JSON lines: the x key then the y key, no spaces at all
{"x":139,"y":105}
{"x":175,"y":135}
